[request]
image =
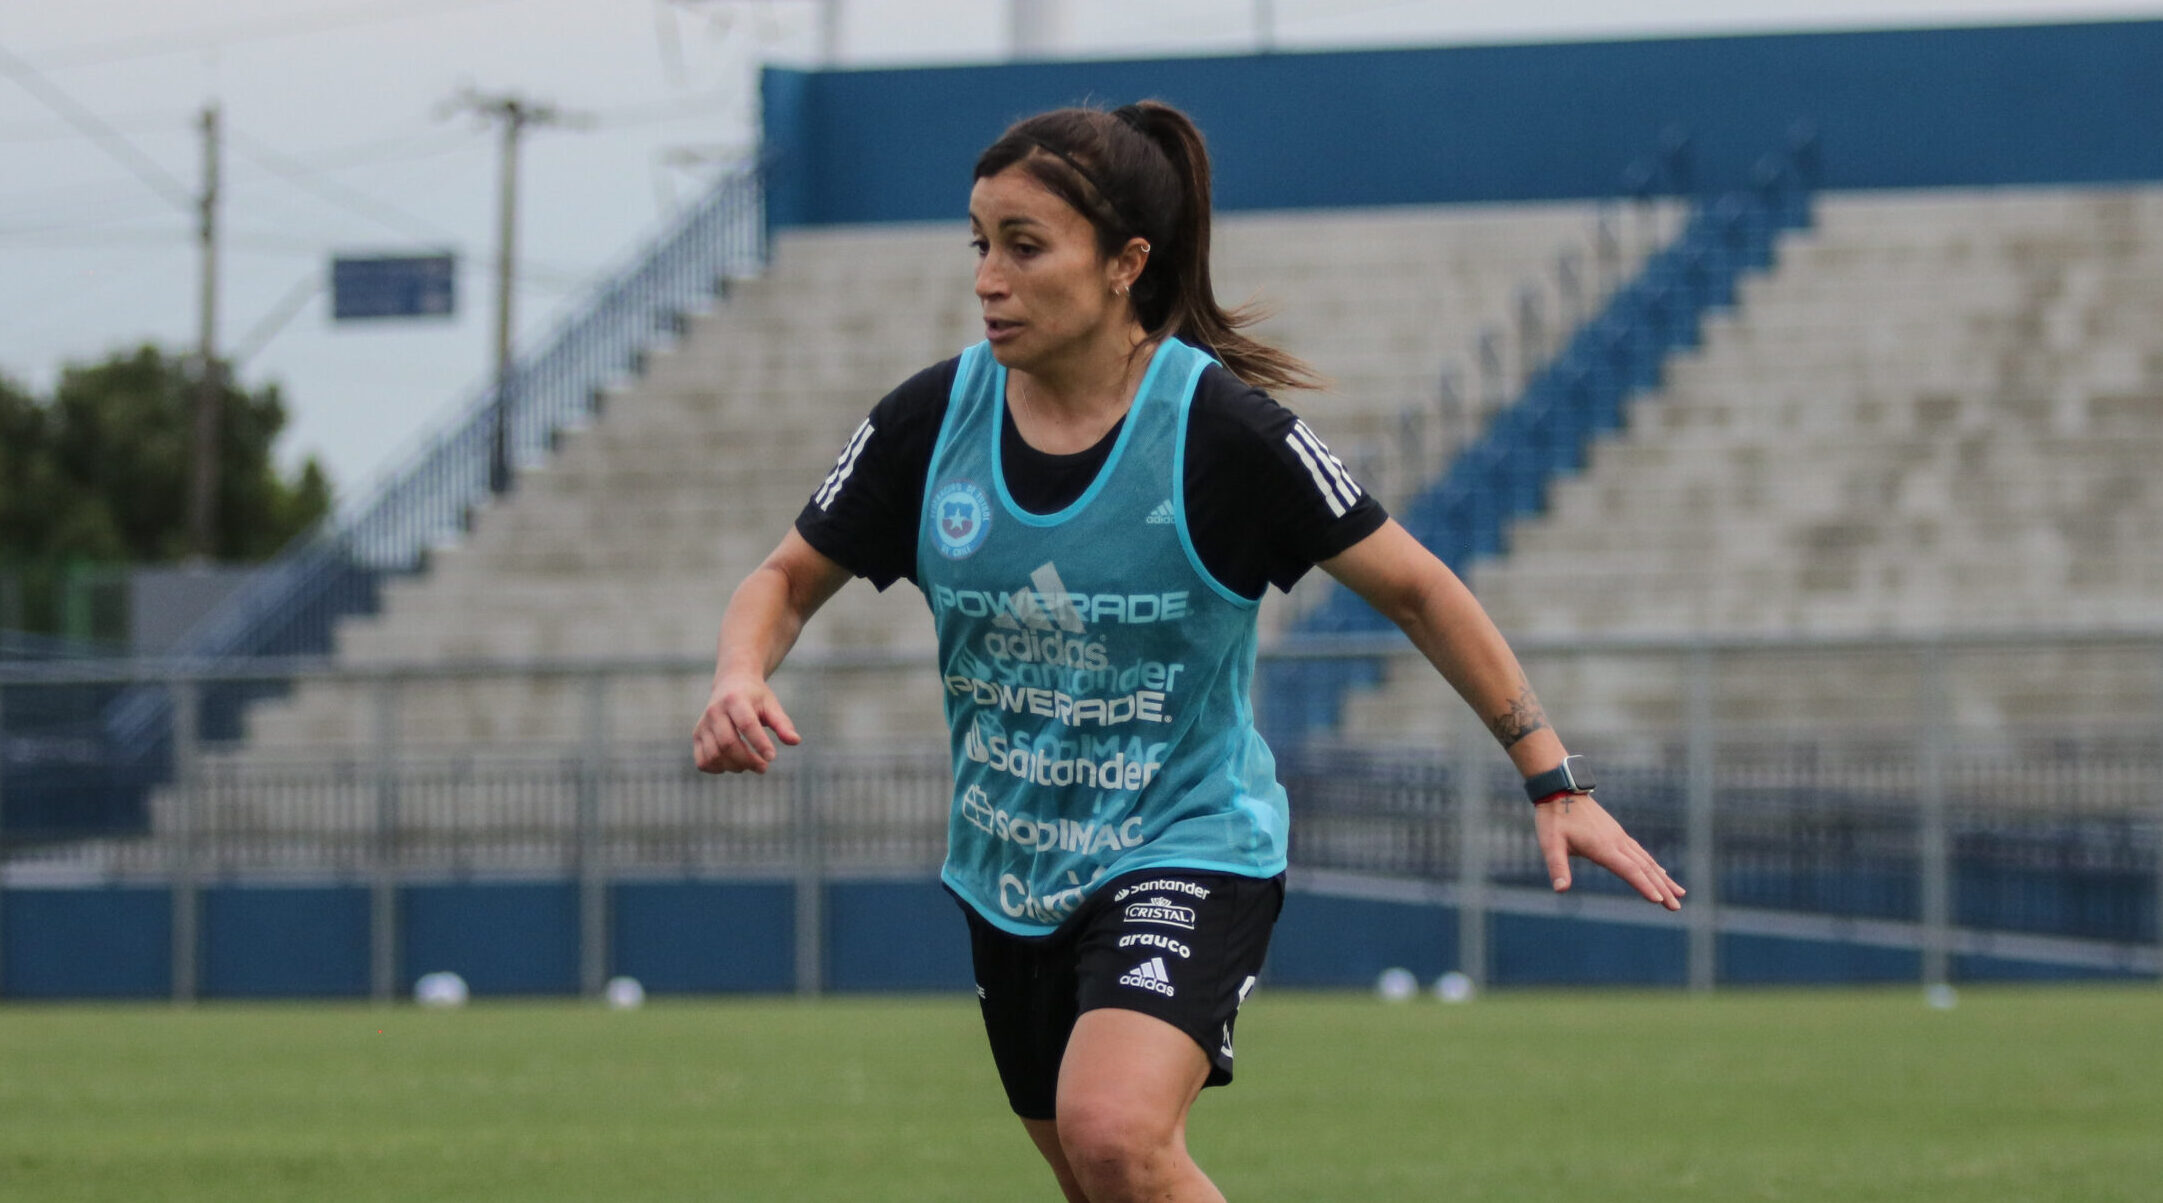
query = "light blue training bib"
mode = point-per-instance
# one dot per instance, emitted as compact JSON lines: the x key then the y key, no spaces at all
{"x":1096,"y":675}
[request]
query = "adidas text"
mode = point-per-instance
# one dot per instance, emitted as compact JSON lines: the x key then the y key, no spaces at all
{"x":1149,"y":975}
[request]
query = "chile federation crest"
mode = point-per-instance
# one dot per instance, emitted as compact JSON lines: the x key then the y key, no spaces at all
{"x":960,"y":518}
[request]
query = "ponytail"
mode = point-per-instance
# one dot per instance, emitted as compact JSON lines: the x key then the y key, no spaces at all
{"x":1142,"y":171}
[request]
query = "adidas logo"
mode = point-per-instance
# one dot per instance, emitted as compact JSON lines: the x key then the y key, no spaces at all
{"x":1162,"y":514}
{"x":1149,"y":975}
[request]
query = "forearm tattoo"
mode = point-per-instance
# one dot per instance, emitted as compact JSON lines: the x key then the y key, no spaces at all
{"x":1522,"y":718}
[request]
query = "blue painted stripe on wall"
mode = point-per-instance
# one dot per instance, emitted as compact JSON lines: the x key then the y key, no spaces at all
{"x":99,"y":942}
{"x":503,"y":938}
{"x":1533,"y":950}
{"x":1779,"y":961}
{"x":702,"y":937}
{"x":2062,"y":104}
{"x":895,"y":935}
{"x":1967,"y":968}
{"x":2062,"y":899}
{"x":712,"y":937}
{"x":285,"y":941}
{"x":1322,"y":941}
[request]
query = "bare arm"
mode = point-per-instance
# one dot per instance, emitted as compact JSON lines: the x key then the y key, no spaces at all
{"x":764,"y":616}
{"x":1405,"y":582}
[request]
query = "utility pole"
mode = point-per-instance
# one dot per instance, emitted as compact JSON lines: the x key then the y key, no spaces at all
{"x":1034,"y":27}
{"x":513,"y":114}
{"x":1265,"y":25}
{"x":203,"y":474}
{"x":829,"y":33}
{"x":202,"y":499}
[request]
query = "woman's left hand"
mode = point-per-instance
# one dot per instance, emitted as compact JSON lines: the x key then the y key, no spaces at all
{"x":1576,"y":825}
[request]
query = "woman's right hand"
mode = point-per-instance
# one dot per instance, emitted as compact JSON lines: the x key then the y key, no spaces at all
{"x":731,"y":736}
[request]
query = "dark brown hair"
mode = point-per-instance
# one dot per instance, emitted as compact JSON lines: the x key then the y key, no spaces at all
{"x":1142,"y":172}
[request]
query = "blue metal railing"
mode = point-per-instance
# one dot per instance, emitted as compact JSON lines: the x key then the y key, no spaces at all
{"x":429,"y":498}
{"x":1583,"y":393}
{"x":291,"y":605}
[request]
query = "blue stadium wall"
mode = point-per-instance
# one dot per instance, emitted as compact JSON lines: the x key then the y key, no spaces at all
{"x":706,"y":936}
{"x":2056,"y":104}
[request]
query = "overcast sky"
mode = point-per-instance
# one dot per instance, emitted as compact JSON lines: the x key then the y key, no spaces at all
{"x":337,"y":143}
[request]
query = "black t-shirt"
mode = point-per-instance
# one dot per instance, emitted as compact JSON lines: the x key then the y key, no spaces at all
{"x":1265,"y":499}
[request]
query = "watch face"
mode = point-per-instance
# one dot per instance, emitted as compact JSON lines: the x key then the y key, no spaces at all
{"x":1580,"y":773}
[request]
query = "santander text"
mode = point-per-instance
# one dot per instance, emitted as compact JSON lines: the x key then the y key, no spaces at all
{"x":1054,"y":763}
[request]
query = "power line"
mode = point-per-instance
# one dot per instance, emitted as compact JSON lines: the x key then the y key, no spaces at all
{"x":71,"y":208}
{"x":311,"y":180}
{"x":27,"y":133}
{"x":361,"y":204}
{"x":377,"y":152}
{"x":62,"y":239}
{"x":73,"y":200}
{"x":75,"y":114}
{"x":554,"y":277}
{"x":661,"y":111}
{"x":79,"y":226}
{"x":184,"y":41}
{"x":265,"y":242}
{"x":276,"y":319}
{"x":405,"y":148}
{"x":70,"y":200}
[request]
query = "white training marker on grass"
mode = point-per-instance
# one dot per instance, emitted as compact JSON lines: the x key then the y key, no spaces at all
{"x":441,"y":990}
{"x":1396,"y":985}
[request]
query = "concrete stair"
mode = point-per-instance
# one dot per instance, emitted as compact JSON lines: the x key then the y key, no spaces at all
{"x":628,"y":541}
{"x":1942,"y":412}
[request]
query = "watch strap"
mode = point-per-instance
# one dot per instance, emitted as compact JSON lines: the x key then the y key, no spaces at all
{"x":1572,"y":776}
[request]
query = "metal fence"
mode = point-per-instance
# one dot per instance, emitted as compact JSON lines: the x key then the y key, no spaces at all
{"x":1997,"y":797}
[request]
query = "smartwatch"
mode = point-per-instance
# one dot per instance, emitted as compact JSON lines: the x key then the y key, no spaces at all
{"x":1572,"y":776}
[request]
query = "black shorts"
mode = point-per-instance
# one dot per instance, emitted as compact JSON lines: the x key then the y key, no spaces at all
{"x":1181,"y":945}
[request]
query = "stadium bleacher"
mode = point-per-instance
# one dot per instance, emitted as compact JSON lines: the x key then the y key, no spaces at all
{"x":1938,"y":415}
{"x":627,"y":542}
{"x":1931,"y":416}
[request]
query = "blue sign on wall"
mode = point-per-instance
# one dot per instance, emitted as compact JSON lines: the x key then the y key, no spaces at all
{"x":379,"y":286}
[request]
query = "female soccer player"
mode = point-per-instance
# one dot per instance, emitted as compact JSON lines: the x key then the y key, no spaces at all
{"x":1093,"y":500}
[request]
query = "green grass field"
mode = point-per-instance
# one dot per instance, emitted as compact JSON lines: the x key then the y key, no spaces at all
{"x":2043,"y":1094}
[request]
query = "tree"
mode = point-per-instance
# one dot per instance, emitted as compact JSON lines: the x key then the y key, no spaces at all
{"x":39,"y":512}
{"x":99,"y":472}
{"x":122,"y":430}
{"x":22,"y":459}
